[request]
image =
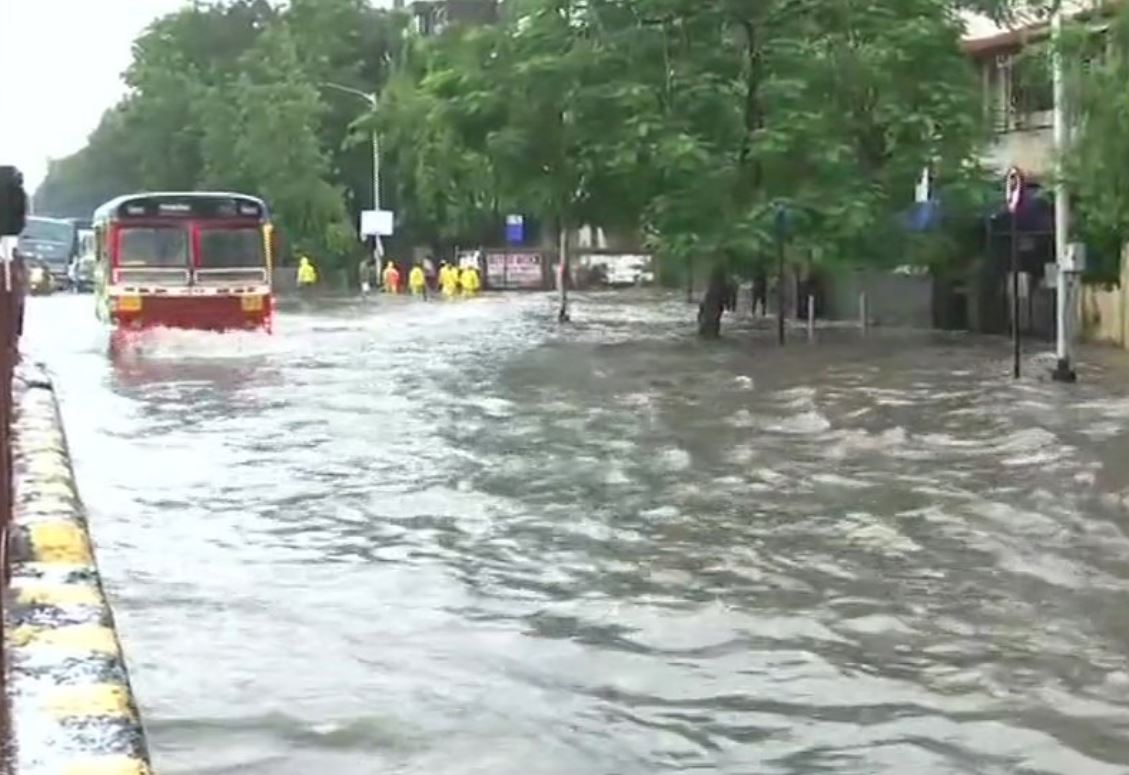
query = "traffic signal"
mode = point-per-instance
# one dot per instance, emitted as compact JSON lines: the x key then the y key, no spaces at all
{"x":13,"y":202}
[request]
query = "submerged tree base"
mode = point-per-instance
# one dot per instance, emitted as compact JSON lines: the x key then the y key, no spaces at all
{"x":713,"y":306}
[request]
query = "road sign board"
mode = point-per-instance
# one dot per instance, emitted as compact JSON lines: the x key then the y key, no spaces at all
{"x":923,"y":190}
{"x":1013,"y":188}
{"x":515,"y":229}
{"x":376,"y":223}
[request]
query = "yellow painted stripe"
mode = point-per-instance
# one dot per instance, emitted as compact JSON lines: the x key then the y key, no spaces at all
{"x":61,"y":595}
{"x":107,"y":765}
{"x":83,"y":638}
{"x":95,"y":700}
{"x":60,"y":542}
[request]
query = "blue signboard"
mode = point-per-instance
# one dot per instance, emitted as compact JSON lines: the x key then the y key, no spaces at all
{"x":515,"y":229}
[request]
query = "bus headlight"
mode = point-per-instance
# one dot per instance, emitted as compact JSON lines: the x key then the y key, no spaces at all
{"x":129,"y":303}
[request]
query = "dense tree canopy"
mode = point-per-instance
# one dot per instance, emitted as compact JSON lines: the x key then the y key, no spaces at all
{"x":688,"y":122}
{"x":1095,"y":165}
{"x":231,"y":96}
{"x":691,"y":121}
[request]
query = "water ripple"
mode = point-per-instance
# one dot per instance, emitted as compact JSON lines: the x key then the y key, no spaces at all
{"x":453,"y":538}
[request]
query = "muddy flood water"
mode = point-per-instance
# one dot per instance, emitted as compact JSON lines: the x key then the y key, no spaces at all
{"x":454,"y":539}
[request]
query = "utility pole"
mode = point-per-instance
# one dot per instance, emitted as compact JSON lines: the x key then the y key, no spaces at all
{"x":371,"y":99}
{"x":377,"y":245}
{"x":1064,"y":296}
{"x":1013,"y":190}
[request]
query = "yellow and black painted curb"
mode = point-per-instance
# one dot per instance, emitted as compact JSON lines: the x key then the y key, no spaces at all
{"x":71,"y":709}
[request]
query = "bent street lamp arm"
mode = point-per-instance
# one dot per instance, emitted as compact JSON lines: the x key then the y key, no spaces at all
{"x":369,"y":98}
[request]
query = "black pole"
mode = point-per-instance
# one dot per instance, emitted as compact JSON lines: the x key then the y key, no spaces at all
{"x":1015,"y":290}
{"x":780,"y":288}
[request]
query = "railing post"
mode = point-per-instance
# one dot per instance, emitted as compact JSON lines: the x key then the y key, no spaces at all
{"x":11,"y":313}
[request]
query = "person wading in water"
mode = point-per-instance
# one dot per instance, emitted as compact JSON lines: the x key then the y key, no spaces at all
{"x":307,"y":277}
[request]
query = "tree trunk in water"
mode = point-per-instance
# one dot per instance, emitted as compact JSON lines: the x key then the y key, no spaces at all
{"x":713,"y":305}
{"x":562,"y":313}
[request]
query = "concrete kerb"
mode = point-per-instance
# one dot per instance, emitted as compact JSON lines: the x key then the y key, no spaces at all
{"x":71,"y":708}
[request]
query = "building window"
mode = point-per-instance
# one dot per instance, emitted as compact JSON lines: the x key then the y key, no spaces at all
{"x":1032,"y":87}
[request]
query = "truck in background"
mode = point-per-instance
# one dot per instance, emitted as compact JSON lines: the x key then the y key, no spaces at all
{"x":51,"y":243}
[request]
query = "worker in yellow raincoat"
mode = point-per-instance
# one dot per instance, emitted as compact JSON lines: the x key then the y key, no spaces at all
{"x":417,"y":281}
{"x":469,"y":280}
{"x":307,"y":275}
{"x":448,"y":280}
{"x":391,"y":278}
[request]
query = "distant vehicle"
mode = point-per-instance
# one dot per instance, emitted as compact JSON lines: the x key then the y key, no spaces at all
{"x":617,"y":270}
{"x":40,"y":281}
{"x":52,"y":242}
{"x":81,"y":271}
{"x":184,"y":260}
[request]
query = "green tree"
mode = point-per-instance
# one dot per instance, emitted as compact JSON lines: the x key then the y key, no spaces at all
{"x":226,"y":95}
{"x":1095,"y":164}
{"x":692,"y":121}
{"x":688,"y":122}
{"x":261,"y":135}
{"x":347,"y":42}
{"x":175,"y":61}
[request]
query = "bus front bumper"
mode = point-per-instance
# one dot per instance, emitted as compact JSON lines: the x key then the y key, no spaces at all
{"x":245,"y":312}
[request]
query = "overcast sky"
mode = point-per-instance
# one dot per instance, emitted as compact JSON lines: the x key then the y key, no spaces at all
{"x":62,"y":61}
{"x":60,"y":68}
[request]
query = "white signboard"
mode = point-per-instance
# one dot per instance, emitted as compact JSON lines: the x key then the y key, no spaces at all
{"x":1075,"y":259}
{"x":621,"y":269}
{"x":922,"y":191}
{"x":515,"y":270}
{"x":376,"y":223}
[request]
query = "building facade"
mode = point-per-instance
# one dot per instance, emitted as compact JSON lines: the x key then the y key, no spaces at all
{"x":1018,"y":101}
{"x":432,"y":17}
{"x":1018,"y":89}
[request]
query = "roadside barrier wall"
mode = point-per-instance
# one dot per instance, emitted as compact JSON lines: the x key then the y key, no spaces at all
{"x":70,"y":707}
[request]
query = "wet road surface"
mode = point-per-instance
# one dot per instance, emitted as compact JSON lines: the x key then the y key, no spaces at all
{"x":448,"y":538}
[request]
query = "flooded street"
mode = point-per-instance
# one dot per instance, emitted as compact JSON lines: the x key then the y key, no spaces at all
{"x":450,"y":538}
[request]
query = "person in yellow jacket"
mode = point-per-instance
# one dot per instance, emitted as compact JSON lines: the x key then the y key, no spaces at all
{"x":469,"y":280}
{"x":449,"y":280}
{"x":391,"y":278}
{"x":417,"y":281}
{"x":307,"y":275}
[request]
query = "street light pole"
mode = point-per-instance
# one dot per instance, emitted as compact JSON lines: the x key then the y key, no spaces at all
{"x":377,"y":245}
{"x":1064,"y":308}
{"x":371,"y":99}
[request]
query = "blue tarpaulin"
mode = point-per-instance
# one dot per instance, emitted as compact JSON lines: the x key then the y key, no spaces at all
{"x":923,"y":216}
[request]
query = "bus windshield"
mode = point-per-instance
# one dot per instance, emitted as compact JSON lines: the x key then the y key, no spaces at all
{"x":231,"y":248}
{"x":156,"y":247}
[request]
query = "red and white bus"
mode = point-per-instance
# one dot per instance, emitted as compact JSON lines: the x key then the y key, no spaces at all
{"x":184,"y":260}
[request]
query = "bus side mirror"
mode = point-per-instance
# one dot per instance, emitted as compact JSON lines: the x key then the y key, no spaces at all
{"x":13,"y":202}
